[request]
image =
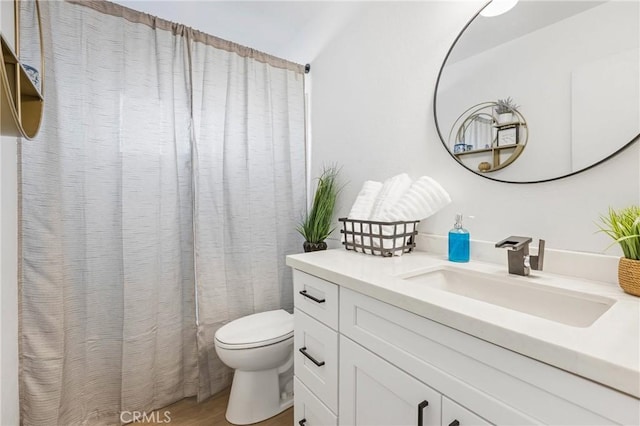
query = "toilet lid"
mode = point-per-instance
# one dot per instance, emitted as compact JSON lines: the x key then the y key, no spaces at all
{"x":262,"y":329}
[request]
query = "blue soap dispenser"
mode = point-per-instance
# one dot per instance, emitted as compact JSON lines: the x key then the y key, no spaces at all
{"x":458,"y":242}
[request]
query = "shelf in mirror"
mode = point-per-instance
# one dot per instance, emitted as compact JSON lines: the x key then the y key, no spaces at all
{"x":491,"y":157}
{"x":504,"y":138}
{"x":510,"y":124}
{"x":495,"y":148}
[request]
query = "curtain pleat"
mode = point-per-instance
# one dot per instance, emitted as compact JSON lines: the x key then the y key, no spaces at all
{"x":249,"y":168}
{"x":108,"y":297}
{"x":158,"y":203}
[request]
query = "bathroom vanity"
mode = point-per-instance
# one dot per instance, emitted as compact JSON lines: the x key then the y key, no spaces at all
{"x":418,"y":340}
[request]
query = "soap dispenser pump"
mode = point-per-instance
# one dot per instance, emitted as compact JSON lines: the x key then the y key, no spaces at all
{"x":458,"y":242}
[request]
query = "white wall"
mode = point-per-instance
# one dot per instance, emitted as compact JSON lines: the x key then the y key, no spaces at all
{"x":372,"y":113}
{"x":9,"y":411}
{"x":9,"y":408}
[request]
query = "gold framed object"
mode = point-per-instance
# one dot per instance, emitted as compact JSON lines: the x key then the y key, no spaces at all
{"x":503,"y":144}
{"x":21,"y":100}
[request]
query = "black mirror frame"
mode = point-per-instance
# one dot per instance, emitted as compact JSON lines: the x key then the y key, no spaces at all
{"x":485,"y":176}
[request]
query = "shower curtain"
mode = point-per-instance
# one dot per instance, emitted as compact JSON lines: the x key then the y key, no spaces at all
{"x":157,"y":203}
{"x":249,"y":192}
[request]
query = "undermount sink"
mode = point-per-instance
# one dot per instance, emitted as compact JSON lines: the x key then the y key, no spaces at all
{"x":564,"y":306}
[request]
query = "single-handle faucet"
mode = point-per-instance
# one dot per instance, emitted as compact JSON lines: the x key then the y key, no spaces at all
{"x":520,"y":263}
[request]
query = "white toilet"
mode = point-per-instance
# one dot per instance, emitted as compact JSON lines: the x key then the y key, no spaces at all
{"x":260,"y":349}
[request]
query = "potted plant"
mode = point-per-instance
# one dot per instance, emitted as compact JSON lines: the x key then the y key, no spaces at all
{"x":504,"y":110}
{"x":624,"y":227}
{"x":316,"y":225}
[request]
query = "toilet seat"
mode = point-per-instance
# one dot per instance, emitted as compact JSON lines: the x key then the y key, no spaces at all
{"x":257,"y":330}
{"x":259,"y":348}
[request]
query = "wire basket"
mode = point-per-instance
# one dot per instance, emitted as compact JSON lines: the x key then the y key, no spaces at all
{"x":379,"y":238}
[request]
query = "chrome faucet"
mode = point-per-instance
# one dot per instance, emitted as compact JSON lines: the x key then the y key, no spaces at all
{"x":520,"y":263}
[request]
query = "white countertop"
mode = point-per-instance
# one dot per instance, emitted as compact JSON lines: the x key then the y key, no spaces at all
{"x":607,"y":352}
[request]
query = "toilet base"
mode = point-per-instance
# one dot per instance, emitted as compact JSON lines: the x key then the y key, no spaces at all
{"x":255,"y":396}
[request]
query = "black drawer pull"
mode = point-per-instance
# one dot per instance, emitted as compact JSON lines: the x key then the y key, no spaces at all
{"x":454,"y":423}
{"x":313,"y":360}
{"x":421,"y":408}
{"x":315,"y":299}
{"x":302,"y":422}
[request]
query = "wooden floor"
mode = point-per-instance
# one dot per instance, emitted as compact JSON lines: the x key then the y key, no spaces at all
{"x":211,"y":413}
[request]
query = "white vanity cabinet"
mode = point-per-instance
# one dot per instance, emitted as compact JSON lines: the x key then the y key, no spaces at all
{"x":316,"y":350}
{"x":399,"y":368}
{"x":376,"y":393}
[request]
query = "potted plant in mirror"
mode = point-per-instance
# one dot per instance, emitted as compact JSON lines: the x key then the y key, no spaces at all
{"x":316,"y":225}
{"x":504,"y":110}
{"x":624,"y":227}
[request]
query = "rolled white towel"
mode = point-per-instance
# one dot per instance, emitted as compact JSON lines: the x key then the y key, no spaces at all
{"x":392,"y":190}
{"x":424,"y":198}
{"x":362,"y":207}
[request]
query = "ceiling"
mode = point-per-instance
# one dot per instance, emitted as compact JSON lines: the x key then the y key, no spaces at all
{"x":293,"y":30}
{"x":299,"y":30}
{"x":527,"y":16}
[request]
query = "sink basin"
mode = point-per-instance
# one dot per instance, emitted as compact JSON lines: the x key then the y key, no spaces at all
{"x":564,"y":306}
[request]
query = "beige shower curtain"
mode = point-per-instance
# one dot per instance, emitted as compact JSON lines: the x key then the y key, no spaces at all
{"x":107,"y":295}
{"x":249,"y":176}
{"x":149,"y":181}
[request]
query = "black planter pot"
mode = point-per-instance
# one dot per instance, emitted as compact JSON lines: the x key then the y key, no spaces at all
{"x":314,"y":246}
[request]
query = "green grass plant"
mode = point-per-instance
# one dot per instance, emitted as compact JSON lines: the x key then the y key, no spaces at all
{"x":317,"y":225}
{"x":624,"y":227}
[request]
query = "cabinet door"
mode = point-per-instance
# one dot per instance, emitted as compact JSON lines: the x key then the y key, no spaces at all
{"x":376,"y":393}
{"x":456,"y":415}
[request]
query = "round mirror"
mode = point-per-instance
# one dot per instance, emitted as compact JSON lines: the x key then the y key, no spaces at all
{"x":568,"y":72}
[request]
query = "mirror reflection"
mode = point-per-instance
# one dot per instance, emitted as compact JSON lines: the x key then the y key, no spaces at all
{"x":573,"y":69}
{"x":491,"y":135}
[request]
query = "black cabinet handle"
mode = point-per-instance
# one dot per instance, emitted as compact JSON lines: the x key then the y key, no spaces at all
{"x":302,"y":422}
{"x":421,"y":408}
{"x":315,"y":299}
{"x":313,"y":360}
{"x":454,"y":423}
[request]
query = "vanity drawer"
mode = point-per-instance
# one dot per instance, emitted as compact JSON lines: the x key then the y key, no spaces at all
{"x":309,"y":410}
{"x":456,"y":415}
{"x":316,"y":297}
{"x":316,"y":358}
